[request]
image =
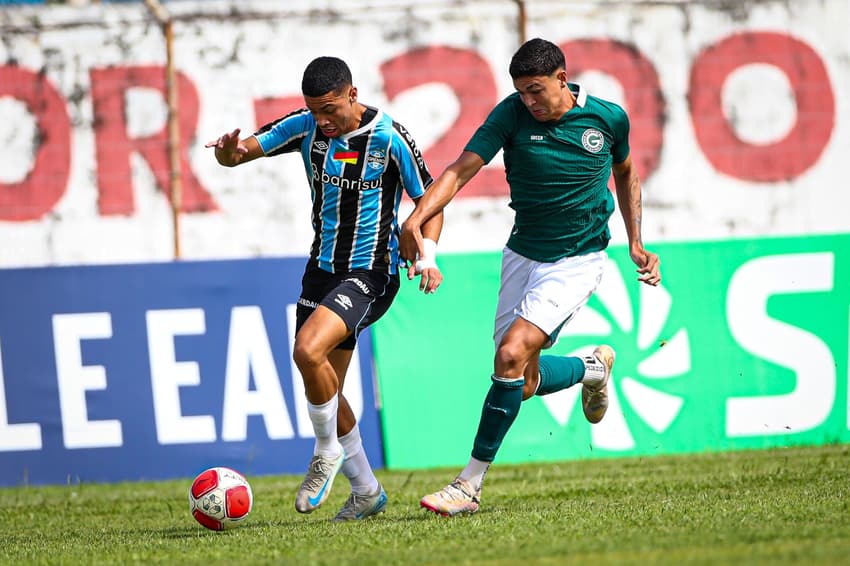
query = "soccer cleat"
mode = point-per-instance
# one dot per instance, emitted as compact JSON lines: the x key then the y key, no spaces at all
{"x":317,"y":483}
{"x":594,"y":389}
{"x":359,"y":507}
{"x":457,"y":497}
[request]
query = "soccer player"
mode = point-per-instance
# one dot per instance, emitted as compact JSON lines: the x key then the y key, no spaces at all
{"x":560,"y":145}
{"x":357,"y":161}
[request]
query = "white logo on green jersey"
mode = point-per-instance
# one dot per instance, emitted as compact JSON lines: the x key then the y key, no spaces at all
{"x":592,"y":140}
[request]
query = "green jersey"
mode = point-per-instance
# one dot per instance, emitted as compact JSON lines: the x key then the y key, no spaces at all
{"x":558,"y":172}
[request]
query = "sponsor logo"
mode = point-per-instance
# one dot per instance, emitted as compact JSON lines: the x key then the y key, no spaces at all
{"x":536,"y":138}
{"x":306,"y":303}
{"x":592,"y":140}
{"x":416,"y":153}
{"x":320,"y":146}
{"x":343,"y":183}
{"x":376,"y":159}
{"x":360,"y":284}
{"x":343,"y":301}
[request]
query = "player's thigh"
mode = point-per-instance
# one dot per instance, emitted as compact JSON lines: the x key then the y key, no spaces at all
{"x":557,"y":291}
{"x":318,"y":330}
{"x":515,"y":272}
{"x":360,"y":299}
{"x":323,"y":331}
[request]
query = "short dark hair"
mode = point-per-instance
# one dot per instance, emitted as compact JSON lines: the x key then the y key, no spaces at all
{"x":324,"y":75}
{"x":537,"y":57}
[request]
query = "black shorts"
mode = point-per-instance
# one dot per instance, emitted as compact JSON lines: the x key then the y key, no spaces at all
{"x":359,"y":297}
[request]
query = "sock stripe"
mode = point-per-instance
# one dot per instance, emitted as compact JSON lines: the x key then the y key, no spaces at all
{"x":508,"y":382}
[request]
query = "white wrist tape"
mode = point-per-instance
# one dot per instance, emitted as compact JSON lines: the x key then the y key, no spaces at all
{"x":429,"y":259}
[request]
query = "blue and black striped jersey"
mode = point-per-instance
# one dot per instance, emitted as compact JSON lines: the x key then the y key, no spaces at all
{"x":356,"y":181}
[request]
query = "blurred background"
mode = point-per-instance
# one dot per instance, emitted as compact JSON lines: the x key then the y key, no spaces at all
{"x":146,"y":293}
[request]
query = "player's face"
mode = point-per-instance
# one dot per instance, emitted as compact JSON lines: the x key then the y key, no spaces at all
{"x":547,"y":97}
{"x":336,"y":113}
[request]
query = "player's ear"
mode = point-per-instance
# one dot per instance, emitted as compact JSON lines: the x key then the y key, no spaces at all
{"x":562,"y":78}
{"x":352,"y":94}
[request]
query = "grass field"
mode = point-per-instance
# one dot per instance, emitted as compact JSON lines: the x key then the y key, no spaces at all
{"x":789,"y":506}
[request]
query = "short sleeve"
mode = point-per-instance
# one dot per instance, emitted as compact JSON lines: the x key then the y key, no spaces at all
{"x":415,"y":177}
{"x":494,"y":133}
{"x":284,"y":135}
{"x":620,"y":130}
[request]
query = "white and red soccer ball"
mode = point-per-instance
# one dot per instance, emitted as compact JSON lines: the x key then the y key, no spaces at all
{"x":220,"y":498}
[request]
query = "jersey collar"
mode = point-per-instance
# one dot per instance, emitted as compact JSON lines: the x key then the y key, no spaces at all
{"x":365,"y":127}
{"x":579,"y":93}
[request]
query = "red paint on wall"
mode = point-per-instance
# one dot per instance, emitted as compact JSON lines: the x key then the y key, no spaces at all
{"x":801,"y":148}
{"x":270,"y":109}
{"x":644,"y":101}
{"x":47,"y":181}
{"x":470,"y":78}
{"x":113,"y":145}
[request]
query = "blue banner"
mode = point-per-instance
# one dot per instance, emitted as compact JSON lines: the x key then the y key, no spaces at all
{"x":154,"y":371}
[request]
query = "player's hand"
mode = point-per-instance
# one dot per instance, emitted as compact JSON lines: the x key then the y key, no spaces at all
{"x":649,"y":266}
{"x":228,"y":148}
{"x":430,"y":275}
{"x":410,"y":244}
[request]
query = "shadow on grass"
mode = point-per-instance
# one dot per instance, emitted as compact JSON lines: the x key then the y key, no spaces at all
{"x":194,"y":531}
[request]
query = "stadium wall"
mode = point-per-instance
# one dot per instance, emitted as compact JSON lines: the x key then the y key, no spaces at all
{"x":739,"y":130}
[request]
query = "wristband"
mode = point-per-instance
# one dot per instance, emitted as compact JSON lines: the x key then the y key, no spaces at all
{"x":429,"y":259}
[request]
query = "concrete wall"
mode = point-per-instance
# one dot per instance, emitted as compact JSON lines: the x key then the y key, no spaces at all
{"x":740,"y":115}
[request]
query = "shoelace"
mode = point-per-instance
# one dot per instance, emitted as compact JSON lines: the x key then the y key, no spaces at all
{"x":318,"y":468}
{"x":455,"y":492}
{"x":350,"y":507}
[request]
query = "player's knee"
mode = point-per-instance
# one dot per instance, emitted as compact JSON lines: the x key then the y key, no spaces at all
{"x":306,"y":355}
{"x":510,"y":359}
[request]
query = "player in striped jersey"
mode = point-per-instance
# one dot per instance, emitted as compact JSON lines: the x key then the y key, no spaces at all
{"x":560,"y":147}
{"x":358,"y":161}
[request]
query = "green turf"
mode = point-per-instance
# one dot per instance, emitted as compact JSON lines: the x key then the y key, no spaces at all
{"x":789,"y":506}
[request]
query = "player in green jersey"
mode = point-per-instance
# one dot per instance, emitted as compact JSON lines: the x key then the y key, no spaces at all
{"x":560,"y":146}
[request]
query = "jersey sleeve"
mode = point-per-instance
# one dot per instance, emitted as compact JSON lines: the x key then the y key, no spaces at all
{"x":284,"y":135}
{"x":415,"y":177}
{"x":493,"y":134}
{"x":620,"y":130}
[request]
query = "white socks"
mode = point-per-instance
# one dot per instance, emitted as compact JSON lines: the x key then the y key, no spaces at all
{"x":594,"y":371}
{"x":323,"y":418}
{"x":356,"y":466}
{"x":474,"y":472}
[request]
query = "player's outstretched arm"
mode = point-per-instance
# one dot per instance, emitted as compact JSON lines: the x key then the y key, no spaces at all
{"x":629,"y":198}
{"x":435,"y":200}
{"x":231,"y":151}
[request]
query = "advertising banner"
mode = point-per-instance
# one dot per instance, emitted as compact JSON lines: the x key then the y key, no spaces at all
{"x":152,"y":371}
{"x":745,"y":345}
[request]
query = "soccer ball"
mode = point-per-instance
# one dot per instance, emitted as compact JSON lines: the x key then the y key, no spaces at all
{"x":220,"y":498}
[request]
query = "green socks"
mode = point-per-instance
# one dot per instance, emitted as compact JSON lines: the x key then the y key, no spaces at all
{"x":501,"y":407}
{"x":559,"y":372}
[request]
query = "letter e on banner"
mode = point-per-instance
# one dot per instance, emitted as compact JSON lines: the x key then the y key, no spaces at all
{"x":168,"y":375}
{"x":75,"y":379}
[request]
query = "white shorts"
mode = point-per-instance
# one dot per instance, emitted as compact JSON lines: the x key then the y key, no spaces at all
{"x":547,"y":295}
